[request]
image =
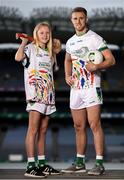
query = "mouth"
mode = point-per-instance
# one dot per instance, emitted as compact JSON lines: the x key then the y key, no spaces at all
{"x":78,"y":25}
{"x":45,"y":39}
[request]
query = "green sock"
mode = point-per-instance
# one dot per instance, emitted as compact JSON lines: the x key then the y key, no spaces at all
{"x":41,"y":162}
{"x":99,"y":161}
{"x":80,"y":161}
{"x":31,"y":164}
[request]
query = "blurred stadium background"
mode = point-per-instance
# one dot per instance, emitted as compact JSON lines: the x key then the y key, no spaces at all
{"x":109,"y":23}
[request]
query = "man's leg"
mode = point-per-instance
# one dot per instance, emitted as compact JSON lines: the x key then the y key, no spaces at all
{"x":94,"y":120}
{"x":79,"y":119}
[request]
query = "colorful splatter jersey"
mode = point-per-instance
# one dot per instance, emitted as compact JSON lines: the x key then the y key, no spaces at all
{"x":78,"y":47}
{"x":38,"y":75}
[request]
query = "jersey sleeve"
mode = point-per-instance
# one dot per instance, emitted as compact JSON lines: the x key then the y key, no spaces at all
{"x":103,"y":45}
{"x":100,"y":43}
{"x":68,"y":47}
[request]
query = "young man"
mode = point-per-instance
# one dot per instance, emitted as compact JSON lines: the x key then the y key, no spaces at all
{"x":86,"y":95}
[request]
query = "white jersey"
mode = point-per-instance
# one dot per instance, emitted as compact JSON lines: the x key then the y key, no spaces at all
{"x":78,"y":47}
{"x":38,"y":75}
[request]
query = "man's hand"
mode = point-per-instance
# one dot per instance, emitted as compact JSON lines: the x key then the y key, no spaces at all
{"x":91,"y":67}
{"x":69,"y":80}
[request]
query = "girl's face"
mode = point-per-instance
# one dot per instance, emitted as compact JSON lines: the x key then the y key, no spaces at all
{"x":43,"y":34}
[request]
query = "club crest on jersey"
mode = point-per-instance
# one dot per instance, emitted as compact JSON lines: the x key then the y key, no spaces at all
{"x":81,"y":53}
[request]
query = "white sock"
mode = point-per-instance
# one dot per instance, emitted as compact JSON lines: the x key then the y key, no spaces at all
{"x":81,"y":156}
{"x":41,"y":157}
{"x":99,"y":157}
{"x":31,"y":159}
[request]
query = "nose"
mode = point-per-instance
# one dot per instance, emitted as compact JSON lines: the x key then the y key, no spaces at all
{"x":78,"y":20}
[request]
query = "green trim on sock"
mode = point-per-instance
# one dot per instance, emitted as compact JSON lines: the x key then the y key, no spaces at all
{"x":99,"y":161}
{"x":31,"y":165}
{"x":80,"y":161}
{"x":41,"y":162}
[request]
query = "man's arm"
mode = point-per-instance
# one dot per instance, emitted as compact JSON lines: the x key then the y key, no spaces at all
{"x":68,"y":69}
{"x":109,"y":60}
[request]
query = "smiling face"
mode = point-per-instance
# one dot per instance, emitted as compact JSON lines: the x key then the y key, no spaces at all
{"x":79,"y":21}
{"x":43,"y":34}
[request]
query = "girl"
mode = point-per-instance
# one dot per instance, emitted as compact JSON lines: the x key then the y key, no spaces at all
{"x":38,"y":59}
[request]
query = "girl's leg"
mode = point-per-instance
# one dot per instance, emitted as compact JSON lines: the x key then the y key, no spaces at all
{"x":33,"y":126}
{"x":42,"y":138}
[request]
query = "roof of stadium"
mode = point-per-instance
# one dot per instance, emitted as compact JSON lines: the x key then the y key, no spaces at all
{"x":107,"y":21}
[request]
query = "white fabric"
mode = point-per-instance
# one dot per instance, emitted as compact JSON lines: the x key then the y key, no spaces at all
{"x":39,"y":84}
{"x":80,"y":155}
{"x":31,"y":159}
{"x":40,"y":107}
{"x":41,"y":157}
{"x":99,"y":157}
{"x":78,"y":47}
{"x":82,"y":98}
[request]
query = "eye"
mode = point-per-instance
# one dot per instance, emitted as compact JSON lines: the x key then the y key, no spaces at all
{"x":41,"y":33}
{"x":75,"y":18}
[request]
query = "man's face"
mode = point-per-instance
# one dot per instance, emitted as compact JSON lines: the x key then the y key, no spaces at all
{"x":79,"y":21}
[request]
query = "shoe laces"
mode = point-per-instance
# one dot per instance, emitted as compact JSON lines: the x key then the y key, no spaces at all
{"x":47,"y":168}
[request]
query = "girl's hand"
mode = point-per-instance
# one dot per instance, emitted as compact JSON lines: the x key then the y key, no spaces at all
{"x":23,"y":37}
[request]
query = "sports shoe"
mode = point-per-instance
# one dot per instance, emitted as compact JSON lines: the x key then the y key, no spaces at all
{"x":97,"y":170}
{"x":74,"y":168}
{"x":34,"y":172}
{"x":49,"y":170}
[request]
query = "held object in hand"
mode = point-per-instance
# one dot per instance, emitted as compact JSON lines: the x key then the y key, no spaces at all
{"x":95,"y":57}
{"x":56,"y":42}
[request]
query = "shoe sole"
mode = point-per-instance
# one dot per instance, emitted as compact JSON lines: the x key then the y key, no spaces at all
{"x":78,"y":171}
{"x":34,"y":176}
{"x":95,"y":174}
{"x":51,"y":173}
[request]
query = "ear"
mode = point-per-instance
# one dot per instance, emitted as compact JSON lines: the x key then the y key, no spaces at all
{"x":87,"y":20}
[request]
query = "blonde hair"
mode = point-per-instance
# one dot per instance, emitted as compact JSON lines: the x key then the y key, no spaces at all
{"x":36,"y":42}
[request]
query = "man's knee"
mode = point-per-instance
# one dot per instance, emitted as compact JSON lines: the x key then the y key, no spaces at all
{"x":95,"y":126}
